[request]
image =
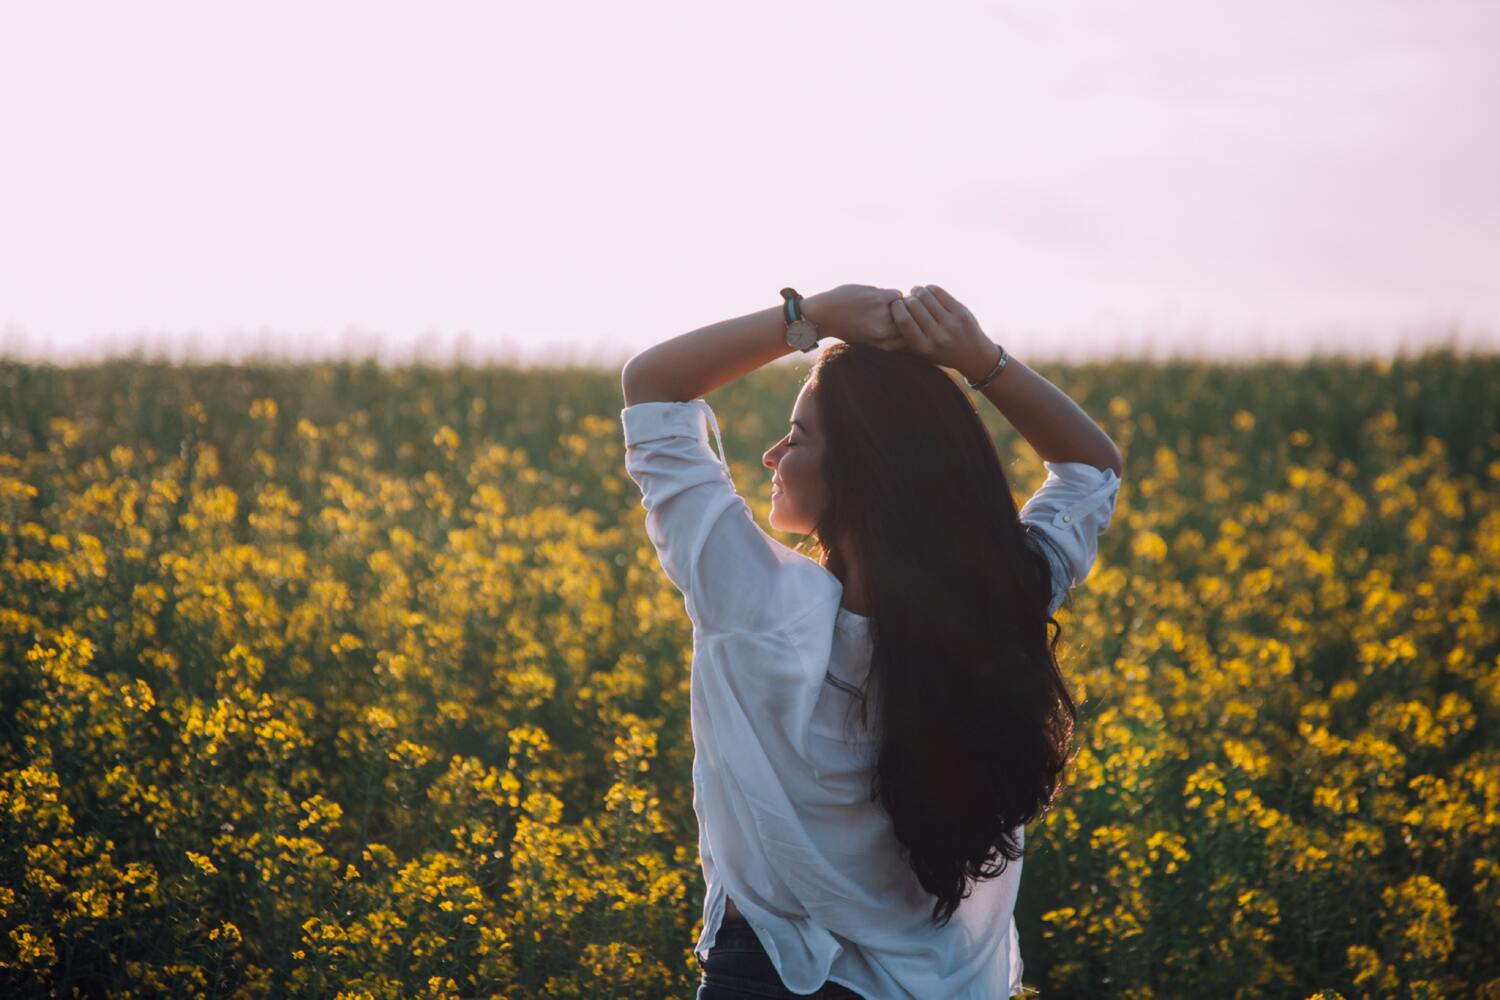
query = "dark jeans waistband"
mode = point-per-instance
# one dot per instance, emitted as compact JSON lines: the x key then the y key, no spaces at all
{"x":736,"y":930}
{"x":739,"y":967}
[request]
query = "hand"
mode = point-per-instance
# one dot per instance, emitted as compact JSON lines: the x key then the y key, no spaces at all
{"x":936,"y":326}
{"x":857,"y":314}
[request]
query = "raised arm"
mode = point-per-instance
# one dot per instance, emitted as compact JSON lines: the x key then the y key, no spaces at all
{"x":693,"y":364}
{"x":941,"y":329}
{"x":1048,"y":418}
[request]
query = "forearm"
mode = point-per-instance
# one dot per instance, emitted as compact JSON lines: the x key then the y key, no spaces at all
{"x":694,"y":364}
{"x":1055,"y":426}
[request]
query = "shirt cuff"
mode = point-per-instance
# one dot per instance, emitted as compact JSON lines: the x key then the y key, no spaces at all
{"x":663,"y":418}
{"x":1101,"y":485}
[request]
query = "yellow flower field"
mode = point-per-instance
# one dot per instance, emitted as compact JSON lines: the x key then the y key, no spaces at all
{"x":327,"y":681}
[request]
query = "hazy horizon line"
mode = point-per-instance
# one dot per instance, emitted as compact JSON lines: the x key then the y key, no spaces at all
{"x":438,"y":348}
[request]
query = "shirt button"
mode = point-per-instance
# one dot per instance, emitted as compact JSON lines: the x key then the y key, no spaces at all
{"x":1067,"y":517}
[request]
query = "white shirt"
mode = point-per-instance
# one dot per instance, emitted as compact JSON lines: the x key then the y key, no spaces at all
{"x":780,"y":787}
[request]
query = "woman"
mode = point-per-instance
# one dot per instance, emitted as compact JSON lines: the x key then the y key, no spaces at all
{"x":838,"y":844}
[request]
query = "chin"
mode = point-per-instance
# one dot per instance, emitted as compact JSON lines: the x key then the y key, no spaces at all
{"x":781,"y":524}
{"x":777,"y":520}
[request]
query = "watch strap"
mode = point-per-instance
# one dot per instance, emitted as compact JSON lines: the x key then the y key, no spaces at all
{"x":791,"y":305}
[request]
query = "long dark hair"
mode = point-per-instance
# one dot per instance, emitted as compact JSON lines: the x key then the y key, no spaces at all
{"x":976,"y":720}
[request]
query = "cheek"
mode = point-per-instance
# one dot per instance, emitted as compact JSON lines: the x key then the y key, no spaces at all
{"x":800,"y":472}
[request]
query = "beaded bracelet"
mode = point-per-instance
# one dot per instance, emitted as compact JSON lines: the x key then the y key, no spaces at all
{"x":988,"y":378}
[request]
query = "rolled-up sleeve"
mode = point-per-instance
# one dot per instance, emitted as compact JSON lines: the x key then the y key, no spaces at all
{"x":1070,"y":509}
{"x":732,"y":575}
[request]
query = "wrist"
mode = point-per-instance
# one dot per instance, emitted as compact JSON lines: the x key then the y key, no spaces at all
{"x":814,"y":308}
{"x":981,"y":360}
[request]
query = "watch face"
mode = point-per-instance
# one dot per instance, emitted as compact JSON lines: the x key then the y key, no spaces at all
{"x":802,"y":334}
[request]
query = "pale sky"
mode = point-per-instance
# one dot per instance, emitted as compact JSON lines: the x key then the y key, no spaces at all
{"x":578,"y":181}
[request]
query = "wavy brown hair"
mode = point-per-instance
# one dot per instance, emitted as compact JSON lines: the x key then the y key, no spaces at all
{"x":975,"y":718}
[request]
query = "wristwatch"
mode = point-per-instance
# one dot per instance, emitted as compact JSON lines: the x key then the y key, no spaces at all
{"x":801,"y":332}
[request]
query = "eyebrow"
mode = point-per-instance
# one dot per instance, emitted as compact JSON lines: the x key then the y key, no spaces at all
{"x":800,"y":426}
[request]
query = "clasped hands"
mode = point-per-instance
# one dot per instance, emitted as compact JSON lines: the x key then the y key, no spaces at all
{"x":929,"y":323}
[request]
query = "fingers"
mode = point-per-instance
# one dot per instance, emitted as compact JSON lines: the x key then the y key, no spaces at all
{"x":934,"y":306}
{"x":918,"y":307}
{"x":931,"y":316}
{"x":948,"y":301}
{"x":909,"y":328}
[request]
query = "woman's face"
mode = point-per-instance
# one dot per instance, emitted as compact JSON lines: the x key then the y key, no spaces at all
{"x":797,"y":493}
